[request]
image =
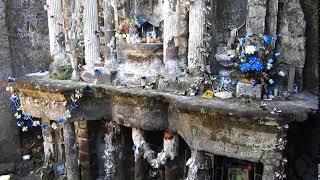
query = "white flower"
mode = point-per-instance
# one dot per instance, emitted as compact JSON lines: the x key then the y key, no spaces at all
{"x":269,"y":66}
{"x":281,"y":73}
{"x":250,"y":49}
{"x":10,"y":89}
{"x":54,"y":126}
{"x":17,"y":115}
{"x":25,"y":128}
{"x":36,"y":123}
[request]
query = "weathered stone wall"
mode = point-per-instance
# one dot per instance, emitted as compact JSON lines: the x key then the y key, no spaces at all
{"x":292,"y":27}
{"x":9,"y":146}
{"x":310,"y":72}
{"x":303,"y":149}
{"x":28,"y":35}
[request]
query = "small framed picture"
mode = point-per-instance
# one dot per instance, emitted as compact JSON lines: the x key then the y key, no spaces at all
{"x":59,"y":169}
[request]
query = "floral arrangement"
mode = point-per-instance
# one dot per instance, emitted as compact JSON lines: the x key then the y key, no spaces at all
{"x":126,"y":26}
{"x":257,"y":60}
{"x":26,"y":121}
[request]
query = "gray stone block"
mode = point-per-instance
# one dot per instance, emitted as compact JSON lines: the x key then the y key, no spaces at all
{"x":249,"y":90}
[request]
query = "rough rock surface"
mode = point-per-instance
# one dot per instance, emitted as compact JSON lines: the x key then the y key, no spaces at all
{"x":9,"y":141}
{"x":292,"y":27}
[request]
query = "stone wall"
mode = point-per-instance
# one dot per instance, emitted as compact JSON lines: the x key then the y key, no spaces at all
{"x":310,"y":72}
{"x":28,"y":34}
{"x":9,"y":146}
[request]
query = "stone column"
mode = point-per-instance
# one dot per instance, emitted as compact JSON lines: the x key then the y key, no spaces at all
{"x":272,"y":17}
{"x":84,"y":149}
{"x":268,"y":172}
{"x":256,"y":16}
{"x":109,"y":23}
{"x":113,"y":155}
{"x":55,"y":25}
{"x":71,"y":151}
{"x":270,"y":161}
{"x":171,"y":145}
{"x":72,"y":23}
{"x":183,"y":35}
{"x":196,"y":59}
{"x":48,"y":144}
{"x":91,"y":31}
{"x":170,"y":36}
{"x":196,"y":165}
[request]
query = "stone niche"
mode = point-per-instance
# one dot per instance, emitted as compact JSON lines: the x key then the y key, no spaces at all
{"x":142,"y":61}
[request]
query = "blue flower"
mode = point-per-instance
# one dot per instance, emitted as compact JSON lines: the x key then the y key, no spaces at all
{"x":44,"y":126}
{"x":245,"y":67}
{"x":11,"y":79}
{"x":61,"y":122}
{"x":242,"y":41}
{"x":270,"y":61}
{"x":258,"y":66}
{"x":253,"y":82}
{"x":235,"y":64}
{"x":14,"y":98}
{"x":26,"y":117}
{"x":87,"y":88}
{"x":267,"y":39}
{"x":15,"y":107}
{"x":253,"y":59}
{"x":97,"y":33}
{"x":278,"y":54}
{"x":20,"y":123}
{"x":73,"y":105}
{"x":134,"y":147}
{"x":30,"y":123}
{"x":243,"y":55}
{"x":97,"y":71}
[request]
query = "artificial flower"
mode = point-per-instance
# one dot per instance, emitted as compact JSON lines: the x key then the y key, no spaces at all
{"x":258,"y":66}
{"x":36,"y":123}
{"x":242,"y":41}
{"x":245,"y":67}
{"x":44,"y":127}
{"x":269,"y":66}
{"x":54,"y":126}
{"x":267,"y":39}
{"x":9,"y":89}
{"x":250,"y":49}
{"x":17,"y":115}
{"x":11,"y":79}
{"x":26,"y":117}
{"x":61,"y":122}
{"x":281,"y":73}
{"x":20,"y":123}
{"x":73,"y":105}
{"x":271,"y":81}
{"x":24,"y":129}
{"x":97,"y":71}
{"x":14,"y":98}
{"x":270,"y":61}
{"x":278,"y":54}
{"x":243,"y":55}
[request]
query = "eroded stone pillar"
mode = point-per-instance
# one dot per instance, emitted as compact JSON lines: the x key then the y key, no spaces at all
{"x":171,"y":145}
{"x":48,"y":144}
{"x":55,"y":25}
{"x":170,"y":36}
{"x":196,"y":165}
{"x":196,"y":59}
{"x":272,"y":17}
{"x":84,"y":149}
{"x":256,"y":16}
{"x":91,"y":33}
{"x":113,"y":155}
{"x":71,"y":151}
{"x":109,"y":23}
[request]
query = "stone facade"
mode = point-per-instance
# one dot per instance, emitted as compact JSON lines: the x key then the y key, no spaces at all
{"x":28,"y":34}
{"x":9,"y":136}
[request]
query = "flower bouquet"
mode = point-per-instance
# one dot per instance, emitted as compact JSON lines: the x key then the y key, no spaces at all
{"x":257,"y":65}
